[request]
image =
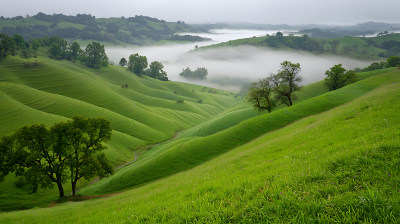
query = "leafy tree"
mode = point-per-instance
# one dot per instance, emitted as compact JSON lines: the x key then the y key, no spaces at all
{"x":393,"y":61}
{"x":58,"y":48}
{"x":260,"y":95}
{"x":199,"y":73}
{"x":286,"y":82}
{"x":122,"y":62}
{"x":137,"y":64}
{"x":68,"y":150}
{"x":7,"y":45}
{"x":36,"y":159}
{"x":74,"y":50}
{"x":186,"y":73}
{"x":95,"y":55}
{"x":19,"y":41}
{"x":86,"y":137}
{"x":156,"y":71}
{"x":337,"y":77}
{"x":36,"y":44}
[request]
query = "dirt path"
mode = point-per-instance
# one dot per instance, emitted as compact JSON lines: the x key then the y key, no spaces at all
{"x":136,"y":155}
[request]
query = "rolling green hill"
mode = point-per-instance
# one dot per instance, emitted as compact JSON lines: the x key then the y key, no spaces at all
{"x":197,"y":146}
{"x":329,"y":158}
{"x":357,"y":47}
{"x":138,"y":30}
{"x":149,"y":111}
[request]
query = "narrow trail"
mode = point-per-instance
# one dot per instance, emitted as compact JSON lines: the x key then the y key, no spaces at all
{"x":136,"y":155}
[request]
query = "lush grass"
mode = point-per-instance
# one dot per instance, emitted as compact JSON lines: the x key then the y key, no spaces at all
{"x":341,"y":166}
{"x":46,"y":91}
{"x":357,"y":47}
{"x":185,"y":153}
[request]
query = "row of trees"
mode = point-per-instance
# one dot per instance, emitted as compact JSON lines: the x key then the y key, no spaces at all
{"x":68,"y":150}
{"x":393,"y":61}
{"x":58,"y":48}
{"x":137,"y":64}
{"x":10,"y":45}
{"x":93,"y":56}
{"x":199,"y":73}
{"x":281,"y":87}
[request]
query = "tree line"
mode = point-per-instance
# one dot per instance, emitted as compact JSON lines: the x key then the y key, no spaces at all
{"x":58,"y":48}
{"x":281,"y":87}
{"x":67,"y":151}
{"x":138,"y":65}
{"x":199,"y":73}
{"x":133,"y":30}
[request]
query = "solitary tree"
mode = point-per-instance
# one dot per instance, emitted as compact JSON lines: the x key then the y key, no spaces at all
{"x":260,"y":95}
{"x":137,"y":64}
{"x":95,"y":55}
{"x":122,"y":62}
{"x":156,"y":71}
{"x":337,"y":77}
{"x":286,"y":82}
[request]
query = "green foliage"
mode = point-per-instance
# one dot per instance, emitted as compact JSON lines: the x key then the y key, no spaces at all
{"x":7,"y":46}
{"x":86,"y":138}
{"x":137,"y":64}
{"x":286,"y":82}
{"x":45,"y":156}
{"x":337,"y":77}
{"x":260,"y":95}
{"x":95,"y":56}
{"x":393,"y":61}
{"x":138,"y":30}
{"x":199,"y":73}
{"x":156,"y":71}
{"x":122,"y":62}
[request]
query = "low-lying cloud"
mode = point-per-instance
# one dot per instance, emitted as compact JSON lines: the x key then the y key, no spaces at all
{"x":238,"y":63}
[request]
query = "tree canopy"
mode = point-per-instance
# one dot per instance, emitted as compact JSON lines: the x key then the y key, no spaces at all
{"x":286,"y":82}
{"x":337,"y":77}
{"x":199,"y":73}
{"x":260,"y":95}
{"x":137,"y":64}
{"x":156,"y":71}
{"x":66,"y":150}
{"x":95,"y":55}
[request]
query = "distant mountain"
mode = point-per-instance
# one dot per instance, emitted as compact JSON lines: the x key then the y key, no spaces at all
{"x":138,"y":30}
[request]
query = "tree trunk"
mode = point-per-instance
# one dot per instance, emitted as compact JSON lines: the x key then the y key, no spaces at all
{"x":60,"y":189}
{"x":290,"y":101}
{"x":73,"y":183}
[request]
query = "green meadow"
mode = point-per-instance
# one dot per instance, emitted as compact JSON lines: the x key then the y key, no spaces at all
{"x":333,"y":157}
{"x":147,"y":112}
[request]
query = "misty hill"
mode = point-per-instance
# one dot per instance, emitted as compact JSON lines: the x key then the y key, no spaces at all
{"x":314,"y":30}
{"x":138,"y":30}
{"x":356,"y":47}
{"x":334,"y":157}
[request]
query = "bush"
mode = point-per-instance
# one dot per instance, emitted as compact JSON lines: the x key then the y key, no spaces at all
{"x":180,"y":101}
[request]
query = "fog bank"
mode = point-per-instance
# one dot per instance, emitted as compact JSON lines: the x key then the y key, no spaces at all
{"x":239,"y":63}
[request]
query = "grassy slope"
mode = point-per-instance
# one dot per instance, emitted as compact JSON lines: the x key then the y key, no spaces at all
{"x":338,"y":166}
{"x":360,"y":42}
{"x":52,"y":91}
{"x":189,"y":151}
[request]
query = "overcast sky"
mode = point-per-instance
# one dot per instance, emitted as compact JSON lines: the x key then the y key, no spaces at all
{"x":201,"y":11}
